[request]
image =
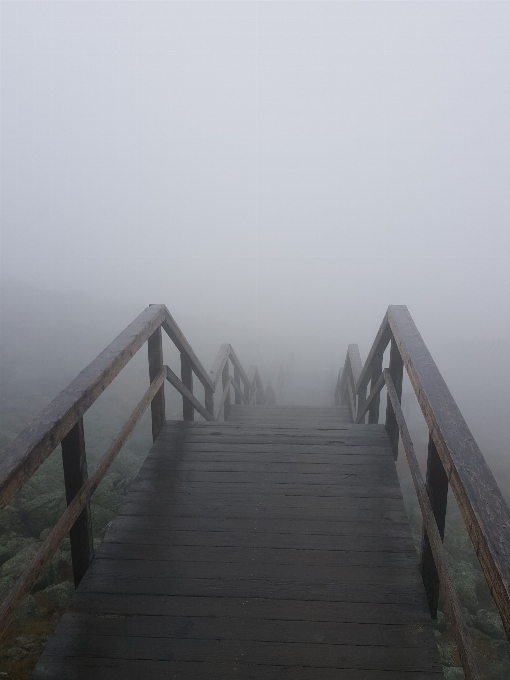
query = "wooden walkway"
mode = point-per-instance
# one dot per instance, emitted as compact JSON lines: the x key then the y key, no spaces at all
{"x":275,"y":545}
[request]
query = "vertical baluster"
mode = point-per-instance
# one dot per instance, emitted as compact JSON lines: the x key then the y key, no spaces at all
{"x":396,"y":369}
{"x":155,"y":352}
{"x":260,"y":398}
{"x":188,"y":410}
{"x":362,"y":397}
{"x":373,"y":411}
{"x":437,"y":487}
{"x":224,"y":380}
{"x":237,"y":378}
{"x":74,"y":461}
{"x":209,"y":399}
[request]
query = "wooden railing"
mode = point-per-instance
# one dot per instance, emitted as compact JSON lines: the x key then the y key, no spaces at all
{"x":453,"y":459}
{"x":61,"y":422}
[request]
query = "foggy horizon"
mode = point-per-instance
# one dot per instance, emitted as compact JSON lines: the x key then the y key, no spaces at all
{"x":275,"y":173}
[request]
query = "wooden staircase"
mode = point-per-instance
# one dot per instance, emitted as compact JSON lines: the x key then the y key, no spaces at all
{"x":273,"y":545}
{"x":265,"y":541}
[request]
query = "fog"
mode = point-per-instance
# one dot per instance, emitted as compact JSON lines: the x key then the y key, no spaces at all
{"x":276,"y":173}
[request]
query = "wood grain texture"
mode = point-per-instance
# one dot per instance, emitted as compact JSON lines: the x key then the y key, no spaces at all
{"x":22,"y":457}
{"x":175,"y":334}
{"x":188,"y":409}
{"x":74,"y":463}
{"x":256,"y":548}
{"x":155,"y":356}
{"x":435,"y":541}
{"x":483,"y":508}
{"x":43,"y":555}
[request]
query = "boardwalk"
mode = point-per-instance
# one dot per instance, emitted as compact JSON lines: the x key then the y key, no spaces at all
{"x":274,"y":545}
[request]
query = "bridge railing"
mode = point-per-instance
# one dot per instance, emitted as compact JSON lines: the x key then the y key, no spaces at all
{"x":61,"y":422}
{"x":454,"y":459}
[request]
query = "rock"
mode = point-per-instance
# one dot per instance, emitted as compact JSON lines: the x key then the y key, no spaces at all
{"x":65,"y":545}
{"x":453,"y":673}
{"x":14,"y":543}
{"x":15,"y":653}
{"x":9,"y":520}
{"x":27,"y":641}
{"x":55,"y":598}
{"x":4,"y":554}
{"x":6,"y":584}
{"x":440,"y":623}
{"x":41,"y":512}
{"x":493,"y":655}
{"x":101,"y":518}
{"x":490,"y":624}
{"x":447,"y":650}
{"x":465,"y":577}
{"x":15,"y":566}
{"x":27,"y":611}
{"x":106,"y":495}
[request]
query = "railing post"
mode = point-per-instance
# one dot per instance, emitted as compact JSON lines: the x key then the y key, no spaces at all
{"x":74,"y":461}
{"x":237,"y":378}
{"x":396,"y":369}
{"x":362,"y":397}
{"x":188,"y":410}
{"x":209,"y":400}
{"x":155,"y":352}
{"x":224,"y":379}
{"x":437,"y":488}
{"x":373,"y":411}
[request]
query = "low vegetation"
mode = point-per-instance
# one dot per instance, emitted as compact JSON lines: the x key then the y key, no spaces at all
{"x":27,"y":522}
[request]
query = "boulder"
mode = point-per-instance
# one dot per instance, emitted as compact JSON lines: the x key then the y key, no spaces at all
{"x":14,"y":567}
{"x":41,"y":512}
{"x":55,"y":598}
{"x":490,"y":624}
{"x":465,"y":577}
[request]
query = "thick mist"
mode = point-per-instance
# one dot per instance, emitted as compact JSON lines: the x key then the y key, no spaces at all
{"x":276,"y":173}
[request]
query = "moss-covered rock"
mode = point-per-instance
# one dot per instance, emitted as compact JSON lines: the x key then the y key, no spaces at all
{"x":15,"y":566}
{"x":101,"y":517}
{"x":465,"y":578}
{"x":28,"y":611}
{"x":9,"y":520}
{"x":41,"y":512}
{"x":490,"y":624}
{"x":447,"y":650}
{"x":55,"y":598}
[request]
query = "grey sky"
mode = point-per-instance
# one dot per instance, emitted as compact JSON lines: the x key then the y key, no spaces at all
{"x":286,"y":168}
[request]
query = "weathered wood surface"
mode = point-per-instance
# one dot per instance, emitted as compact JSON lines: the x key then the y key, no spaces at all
{"x":155,"y":356}
{"x":75,"y":508}
{"x":74,"y":463}
{"x":433,"y":522}
{"x":480,"y":501}
{"x":21,"y":458}
{"x":283,"y":554}
{"x":187,"y":394}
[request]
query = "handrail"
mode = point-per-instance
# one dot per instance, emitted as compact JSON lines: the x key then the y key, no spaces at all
{"x":21,"y":458}
{"x":348,"y":378}
{"x":436,"y":540}
{"x":73,"y":511}
{"x":251,"y":392}
{"x":454,"y":458}
{"x":61,"y":422}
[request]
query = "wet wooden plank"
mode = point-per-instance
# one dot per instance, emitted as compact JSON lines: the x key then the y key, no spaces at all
{"x":284,"y":547}
{"x":84,"y":668}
